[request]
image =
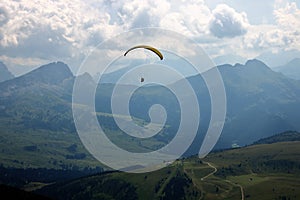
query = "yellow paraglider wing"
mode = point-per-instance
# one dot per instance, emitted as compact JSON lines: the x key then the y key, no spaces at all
{"x":157,"y":52}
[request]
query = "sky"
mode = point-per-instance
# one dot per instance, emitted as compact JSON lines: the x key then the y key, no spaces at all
{"x":35,"y":32}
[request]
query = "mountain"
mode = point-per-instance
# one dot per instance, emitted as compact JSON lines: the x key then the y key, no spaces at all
{"x":291,"y":69}
{"x":38,"y":130}
{"x":116,"y":70}
{"x":281,"y":57}
{"x":112,"y":77}
{"x":38,"y":135}
{"x":36,"y":109}
{"x":4,"y":73}
{"x":38,"y":96}
{"x":260,"y":102}
{"x":51,"y":74}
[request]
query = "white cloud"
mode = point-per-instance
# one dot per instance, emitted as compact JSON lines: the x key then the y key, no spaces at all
{"x":283,"y":35}
{"x":52,"y":30}
{"x":190,"y":18}
{"x":67,"y":30}
{"x":287,"y":18}
{"x":226,"y":22}
{"x":263,"y":37}
{"x":3,"y":16}
{"x":138,"y":13}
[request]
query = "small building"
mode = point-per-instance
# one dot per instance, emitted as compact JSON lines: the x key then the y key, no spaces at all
{"x":235,"y":145}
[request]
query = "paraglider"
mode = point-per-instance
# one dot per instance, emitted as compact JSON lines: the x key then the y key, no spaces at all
{"x":154,"y":50}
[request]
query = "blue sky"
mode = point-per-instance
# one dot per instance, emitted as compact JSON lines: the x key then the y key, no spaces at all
{"x":33,"y":33}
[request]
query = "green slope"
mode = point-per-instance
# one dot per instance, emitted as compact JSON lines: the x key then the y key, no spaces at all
{"x":281,"y":137}
{"x":268,"y":171}
{"x":265,"y":171}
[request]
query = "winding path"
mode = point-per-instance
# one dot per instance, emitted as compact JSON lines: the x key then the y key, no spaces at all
{"x":210,"y":174}
{"x":241,"y":188}
{"x":215,"y":170}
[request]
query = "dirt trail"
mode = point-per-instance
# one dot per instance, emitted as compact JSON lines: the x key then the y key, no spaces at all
{"x":210,"y":174}
{"x":215,"y":170}
{"x":241,"y":188}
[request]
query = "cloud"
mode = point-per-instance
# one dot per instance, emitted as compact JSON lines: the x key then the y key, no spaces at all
{"x":284,"y":34}
{"x":3,"y":16}
{"x":51,"y":30}
{"x":64,"y":30}
{"x":287,"y":18}
{"x":190,"y":18}
{"x":67,"y":30}
{"x":226,"y":22}
{"x":138,"y":13}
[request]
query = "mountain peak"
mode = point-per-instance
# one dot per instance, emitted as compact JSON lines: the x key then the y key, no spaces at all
{"x":52,"y":73}
{"x":250,"y":65}
{"x":255,"y":62}
{"x":5,"y":74}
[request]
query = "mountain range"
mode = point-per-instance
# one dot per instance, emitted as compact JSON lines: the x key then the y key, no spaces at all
{"x":260,"y":103}
{"x":39,"y":144}
{"x":36,"y":109}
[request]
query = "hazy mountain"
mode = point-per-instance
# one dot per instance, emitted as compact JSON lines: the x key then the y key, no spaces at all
{"x":291,"y":69}
{"x":260,"y":102}
{"x":4,"y":73}
{"x":180,"y":65}
{"x":281,"y":57}
{"x":51,"y":74}
{"x":37,"y":131}
{"x":47,"y":75}
{"x":37,"y":124}
{"x":38,"y":96}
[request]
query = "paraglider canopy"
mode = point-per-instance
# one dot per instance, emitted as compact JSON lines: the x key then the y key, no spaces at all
{"x":154,"y":50}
